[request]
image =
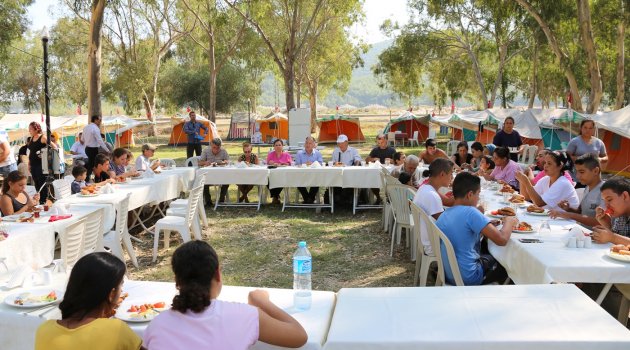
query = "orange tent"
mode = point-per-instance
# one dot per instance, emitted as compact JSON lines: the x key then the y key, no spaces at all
{"x":273,"y":127}
{"x":408,"y":123}
{"x":331,"y":127}
{"x":179,"y":137}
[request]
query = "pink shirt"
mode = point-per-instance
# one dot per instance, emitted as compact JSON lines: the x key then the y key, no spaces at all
{"x":542,"y":174}
{"x":285,"y":158}
{"x":507,"y":173}
{"x":222,"y":325}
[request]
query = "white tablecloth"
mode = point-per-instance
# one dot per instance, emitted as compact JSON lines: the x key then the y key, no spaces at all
{"x":18,"y":331}
{"x":235,"y":176}
{"x":33,"y":244}
{"x":306,"y":177}
{"x":482,"y":317}
{"x":551,"y":261}
{"x":361,"y":177}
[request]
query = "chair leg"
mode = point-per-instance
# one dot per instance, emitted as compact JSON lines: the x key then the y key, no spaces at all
{"x":156,"y":239}
{"x":623,"y":311}
{"x":391,"y":250}
{"x":185,"y":232}
{"x":424,"y":270}
{"x":196,"y":228}
{"x":129,"y":247}
{"x":202,"y":215}
{"x":398,"y":233}
{"x":416,"y":275}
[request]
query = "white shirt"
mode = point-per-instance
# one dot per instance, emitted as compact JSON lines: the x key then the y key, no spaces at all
{"x":348,"y":157}
{"x":92,"y":136}
{"x":142,"y":163}
{"x":78,"y":148}
{"x":4,"y":139}
{"x":560,"y":190}
{"x":429,"y":200}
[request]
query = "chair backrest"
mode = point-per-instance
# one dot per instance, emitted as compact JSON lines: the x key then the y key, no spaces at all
{"x":391,"y":136}
{"x":193,"y":202}
{"x":93,"y":239}
{"x":71,"y":244}
{"x":531,"y":154}
{"x":415,"y":135}
{"x":69,"y":178}
{"x":62,"y":189}
{"x":193,"y":162}
{"x":451,"y":147}
{"x":167,"y":162}
{"x":199,"y":180}
{"x":400,"y":204}
{"x":419,"y":216}
{"x":441,"y":239}
{"x":121,"y":217}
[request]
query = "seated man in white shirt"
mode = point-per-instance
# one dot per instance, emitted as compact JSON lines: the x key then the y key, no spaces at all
{"x":344,"y":155}
{"x":143,"y":162}
{"x":77,"y":150}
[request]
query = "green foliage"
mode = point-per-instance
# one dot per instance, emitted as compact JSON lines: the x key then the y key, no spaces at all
{"x":13,"y":22}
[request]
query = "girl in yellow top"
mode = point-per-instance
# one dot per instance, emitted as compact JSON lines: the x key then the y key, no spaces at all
{"x":91,"y":297}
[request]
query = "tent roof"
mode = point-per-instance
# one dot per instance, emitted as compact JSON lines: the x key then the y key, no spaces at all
{"x":336,"y":117}
{"x":243,"y":117}
{"x":274,"y":116}
{"x":615,"y":121}
{"x":467,"y":120}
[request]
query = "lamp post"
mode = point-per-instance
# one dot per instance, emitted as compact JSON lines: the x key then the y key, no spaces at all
{"x":249,"y":119}
{"x":50,"y":177}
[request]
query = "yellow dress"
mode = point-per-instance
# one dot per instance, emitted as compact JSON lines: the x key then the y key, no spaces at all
{"x":100,"y":334}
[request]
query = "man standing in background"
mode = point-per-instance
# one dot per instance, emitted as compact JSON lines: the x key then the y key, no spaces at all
{"x":93,"y":140}
{"x":192,"y":128}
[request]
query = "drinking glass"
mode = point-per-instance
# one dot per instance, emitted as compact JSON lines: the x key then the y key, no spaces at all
{"x":544,"y":227}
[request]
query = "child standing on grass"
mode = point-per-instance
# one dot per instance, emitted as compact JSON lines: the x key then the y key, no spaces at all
{"x":198,"y":320}
{"x":79,"y":173}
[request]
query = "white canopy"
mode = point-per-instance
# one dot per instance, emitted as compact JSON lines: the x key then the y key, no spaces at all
{"x":616,"y":121}
{"x":525,"y":123}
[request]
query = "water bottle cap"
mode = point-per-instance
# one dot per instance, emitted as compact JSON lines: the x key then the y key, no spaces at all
{"x":302,"y":244}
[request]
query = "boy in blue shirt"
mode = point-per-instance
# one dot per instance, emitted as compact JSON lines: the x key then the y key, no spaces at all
{"x":79,"y":173}
{"x":465,"y":225}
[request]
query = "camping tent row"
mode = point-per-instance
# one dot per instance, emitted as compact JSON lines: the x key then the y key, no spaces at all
{"x":409,"y":123}
{"x":332,"y":126}
{"x":118,"y":130}
{"x":534,"y":125}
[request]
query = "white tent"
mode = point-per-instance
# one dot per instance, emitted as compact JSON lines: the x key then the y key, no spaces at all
{"x":526,"y":124}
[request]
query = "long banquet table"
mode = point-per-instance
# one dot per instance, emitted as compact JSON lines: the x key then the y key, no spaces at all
{"x":552,"y":261}
{"x":524,"y":317}
{"x":19,"y":330}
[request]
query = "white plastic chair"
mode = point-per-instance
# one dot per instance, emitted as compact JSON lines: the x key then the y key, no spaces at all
{"x":193,"y":162}
{"x":167,"y":162}
{"x":69,"y":178}
{"x":422,"y":265}
{"x":178,"y":223}
{"x":62,"y":189}
{"x":179,"y":205}
{"x":388,"y":215}
{"x":414,"y":139}
{"x":71,"y":245}
{"x":391,"y":138}
{"x":93,"y":238}
{"x":119,"y":237}
{"x":440,"y":239}
{"x":451,"y":147}
{"x":402,"y":213}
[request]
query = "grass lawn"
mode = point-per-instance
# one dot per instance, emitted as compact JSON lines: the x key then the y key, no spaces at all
{"x":256,"y":248}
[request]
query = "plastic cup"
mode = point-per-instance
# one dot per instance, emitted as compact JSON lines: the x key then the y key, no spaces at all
{"x":36,"y":214}
{"x":588,"y":242}
{"x":362,"y":163}
{"x":572,"y":243}
{"x":580,"y":244}
{"x":544,"y":227}
{"x":45,"y":207}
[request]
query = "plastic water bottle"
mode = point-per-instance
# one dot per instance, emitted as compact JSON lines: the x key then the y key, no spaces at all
{"x":302,"y":269}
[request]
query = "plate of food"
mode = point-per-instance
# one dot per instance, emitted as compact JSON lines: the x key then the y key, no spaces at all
{"x":620,"y":252}
{"x":517,"y":199}
{"x":140,"y":312}
{"x":537,"y":211}
{"x":89,"y":191}
{"x":506,"y":189}
{"x":23,"y":217}
{"x":33,"y":298}
{"x":88,"y":194}
{"x":523,"y":227}
{"x":502,"y":212}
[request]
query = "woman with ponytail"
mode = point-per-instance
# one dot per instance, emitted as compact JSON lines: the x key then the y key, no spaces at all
{"x":198,"y":320}
{"x":554,"y":187}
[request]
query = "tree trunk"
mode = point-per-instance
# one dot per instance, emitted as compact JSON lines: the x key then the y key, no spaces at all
{"x":152,"y":102}
{"x":584,"y":21}
{"x":482,"y":88}
{"x":532,"y":91}
{"x":298,"y":93}
{"x":212,"y":113}
{"x":94,"y":59}
{"x":289,"y":83}
{"x":621,"y":30}
{"x":560,"y":55}
{"x":149,"y":107}
{"x":312,"y":98}
{"x":499,"y":78}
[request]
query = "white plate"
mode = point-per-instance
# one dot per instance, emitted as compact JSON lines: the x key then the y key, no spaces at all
{"x":545,"y":213}
{"x":88,"y":195}
{"x":135,"y":178}
{"x":495,"y":215}
{"x":624,"y":258}
{"x":16,"y":217}
{"x":33,"y":298}
{"x":122,"y":314}
{"x":523,"y":231}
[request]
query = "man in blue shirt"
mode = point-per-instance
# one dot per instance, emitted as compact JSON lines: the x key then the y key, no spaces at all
{"x":192,"y":128}
{"x":308,"y":156}
{"x":464,"y":225}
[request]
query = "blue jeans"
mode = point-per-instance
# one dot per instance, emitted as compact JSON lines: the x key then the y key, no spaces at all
{"x":5,"y":170}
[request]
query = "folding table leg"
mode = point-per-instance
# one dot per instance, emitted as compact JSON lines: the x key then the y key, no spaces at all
{"x":603,"y":293}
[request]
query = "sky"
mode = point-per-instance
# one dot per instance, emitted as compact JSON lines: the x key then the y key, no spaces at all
{"x":376,"y":11}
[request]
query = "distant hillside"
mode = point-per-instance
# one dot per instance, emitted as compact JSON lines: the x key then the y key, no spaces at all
{"x":363,"y":89}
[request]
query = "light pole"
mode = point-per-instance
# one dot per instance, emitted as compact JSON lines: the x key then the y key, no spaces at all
{"x":50,"y":178}
{"x":249,"y":119}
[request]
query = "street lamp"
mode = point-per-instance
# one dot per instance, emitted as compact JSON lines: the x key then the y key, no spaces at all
{"x":249,"y":119}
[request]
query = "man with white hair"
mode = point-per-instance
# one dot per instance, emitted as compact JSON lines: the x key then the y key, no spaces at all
{"x":410,"y":166}
{"x":344,"y":154}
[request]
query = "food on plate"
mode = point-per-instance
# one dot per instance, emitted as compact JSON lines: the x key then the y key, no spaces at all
{"x":89,"y":189}
{"x":339,"y":164}
{"x":25,"y":219}
{"x":517,"y":198}
{"x":507,"y":189}
{"x":535,"y":209}
{"x":506,"y":211}
{"x":27,"y":298}
{"x":523,"y":226}
{"x":145,"y":311}
{"x":620,"y":249}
